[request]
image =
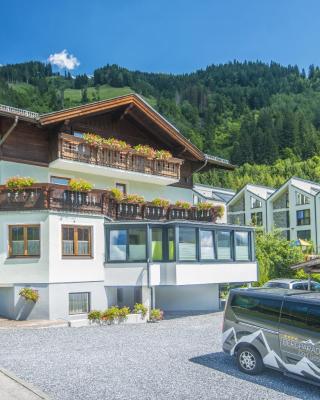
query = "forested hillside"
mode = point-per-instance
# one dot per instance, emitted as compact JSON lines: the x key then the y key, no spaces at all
{"x":250,"y":112}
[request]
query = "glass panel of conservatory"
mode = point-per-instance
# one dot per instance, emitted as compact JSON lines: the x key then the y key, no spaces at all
{"x":118,"y":245}
{"x":223,"y":245}
{"x":242,"y":245}
{"x":187,"y":244}
{"x":157,"y":253}
{"x":171,"y":244}
{"x":206,"y":245}
{"x":137,"y":244}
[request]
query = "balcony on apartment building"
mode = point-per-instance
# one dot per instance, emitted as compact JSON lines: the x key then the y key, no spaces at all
{"x":47,"y":196}
{"x":74,"y":153}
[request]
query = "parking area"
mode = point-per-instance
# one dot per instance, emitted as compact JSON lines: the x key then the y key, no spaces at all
{"x":178,"y":358}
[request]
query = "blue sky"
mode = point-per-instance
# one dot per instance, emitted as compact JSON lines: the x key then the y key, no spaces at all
{"x":161,"y":35}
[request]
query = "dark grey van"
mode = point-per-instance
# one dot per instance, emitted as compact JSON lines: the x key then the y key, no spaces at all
{"x":274,"y":328}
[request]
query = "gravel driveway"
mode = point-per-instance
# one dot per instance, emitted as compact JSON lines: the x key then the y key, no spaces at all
{"x":178,"y":358}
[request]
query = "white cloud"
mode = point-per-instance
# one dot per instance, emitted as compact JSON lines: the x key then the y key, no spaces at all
{"x":64,"y":60}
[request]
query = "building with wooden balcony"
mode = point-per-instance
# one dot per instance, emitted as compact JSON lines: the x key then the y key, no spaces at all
{"x":90,"y":247}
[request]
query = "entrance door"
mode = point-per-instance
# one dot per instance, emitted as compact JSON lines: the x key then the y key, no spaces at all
{"x":300,"y":338}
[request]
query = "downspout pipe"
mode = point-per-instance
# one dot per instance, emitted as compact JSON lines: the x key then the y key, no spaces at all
{"x":5,"y":136}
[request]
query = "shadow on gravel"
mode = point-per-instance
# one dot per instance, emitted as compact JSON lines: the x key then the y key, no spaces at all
{"x":181,"y":314}
{"x":269,"y":379}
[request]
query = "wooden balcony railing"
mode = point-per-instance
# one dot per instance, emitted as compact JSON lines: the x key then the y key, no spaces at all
{"x":76,"y":149}
{"x":45,"y":196}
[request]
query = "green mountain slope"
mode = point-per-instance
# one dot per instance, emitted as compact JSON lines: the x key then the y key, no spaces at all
{"x":251,"y":113}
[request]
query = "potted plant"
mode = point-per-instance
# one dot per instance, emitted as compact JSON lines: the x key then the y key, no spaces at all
{"x":110,"y":315}
{"x":163,"y":155}
{"x":158,"y":202}
{"x":123,"y":314}
{"x":140,"y":309}
{"x":29,"y":294}
{"x":156,"y":315}
{"x":93,"y":139}
{"x":80,"y":185}
{"x":116,"y":144}
{"x":18,"y":183}
{"x":116,"y":194}
{"x":218,"y":211}
{"x":134,"y":199}
{"x":145,"y":150}
{"x":182,"y":204}
{"x":204,"y":206}
{"x":94,"y":316}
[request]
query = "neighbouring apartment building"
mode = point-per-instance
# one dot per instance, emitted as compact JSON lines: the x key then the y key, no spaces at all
{"x":293,"y":209}
{"x":86,"y":249}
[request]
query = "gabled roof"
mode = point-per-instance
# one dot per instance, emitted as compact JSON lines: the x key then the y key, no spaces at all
{"x":263,"y":192}
{"x":134,"y":105}
{"x":308,"y":187}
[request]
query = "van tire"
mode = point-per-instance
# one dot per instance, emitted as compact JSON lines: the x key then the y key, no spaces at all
{"x":249,"y":360}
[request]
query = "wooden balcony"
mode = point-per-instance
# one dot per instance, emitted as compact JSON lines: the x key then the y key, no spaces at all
{"x":45,"y":196}
{"x":76,"y":149}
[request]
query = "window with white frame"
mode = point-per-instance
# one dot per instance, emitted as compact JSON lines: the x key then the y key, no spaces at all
{"x":79,"y":303}
{"x":301,"y":199}
{"x":255,"y":203}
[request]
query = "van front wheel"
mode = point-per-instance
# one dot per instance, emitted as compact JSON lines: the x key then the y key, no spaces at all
{"x":249,"y":361}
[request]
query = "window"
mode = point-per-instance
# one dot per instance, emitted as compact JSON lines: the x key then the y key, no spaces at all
{"x":171,"y":244}
{"x":157,"y":244}
{"x":78,"y":134}
{"x":187,"y":244}
{"x":59,"y":180}
{"x":137,"y":244}
{"x":313,"y":319}
{"x":118,"y":245}
{"x":241,"y":240}
{"x":305,"y":235}
{"x":301,"y":199}
{"x":119,"y":296}
{"x":76,"y":241}
{"x":79,"y":303}
{"x":303,"y":217}
{"x":128,"y":244}
{"x":294,"y":314}
{"x":256,"y":308}
{"x":255,"y":203}
{"x":122,"y":187}
{"x":256,"y":219}
{"x":24,"y":241}
{"x":223,"y":245}
{"x":206,"y":245}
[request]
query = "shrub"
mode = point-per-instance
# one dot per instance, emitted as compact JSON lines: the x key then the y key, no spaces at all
{"x":117,"y":194}
{"x":145,"y":150}
{"x":123,"y":313}
{"x":204,"y":206}
{"x":140,"y":309}
{"x":156,"y":315}
{"x":183,"y":204}
{"x":160,"y":202}
{"x":116,"y":144}
{"x":80,"y":185}
{"x":110,"y":314}
{"x":29,"y":294}
{"x":93,"y":139}
{"x":163,"y":154}
{"x":94,"y":315}
{"x":18,"y":183}
{"x":134,"y":198}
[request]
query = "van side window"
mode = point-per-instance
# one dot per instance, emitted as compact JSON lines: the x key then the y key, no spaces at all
{"x":256,"y":308}
{"x":294,"y":314}
{"x":314,"y":318}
